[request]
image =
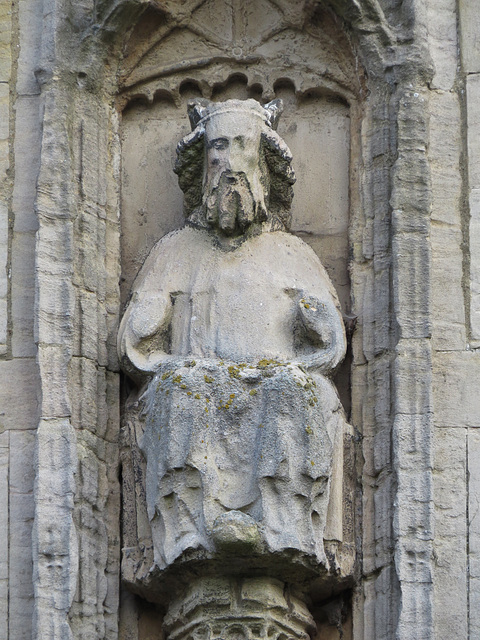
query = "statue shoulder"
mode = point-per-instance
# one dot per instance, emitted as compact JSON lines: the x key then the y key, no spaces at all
{"x":174,"y":250}
{"x":289,"y":244}
{"x":174,"y":241}
{"x":173,"y":254}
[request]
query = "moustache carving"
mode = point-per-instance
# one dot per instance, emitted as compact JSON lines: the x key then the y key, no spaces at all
{"x":231,"y":204}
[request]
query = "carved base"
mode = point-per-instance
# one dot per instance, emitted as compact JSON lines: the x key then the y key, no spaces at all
{"x":238,"y":609}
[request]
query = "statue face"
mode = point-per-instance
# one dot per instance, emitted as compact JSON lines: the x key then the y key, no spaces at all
{"x":235,"y":181}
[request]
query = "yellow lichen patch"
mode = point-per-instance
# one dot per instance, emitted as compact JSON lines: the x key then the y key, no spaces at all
{"x":177,"y":379}
{"x":232,"y":395}
{"x":269,"y":362}
{"x":208,"y":379}
{"x":309,"y":429}
{"x":197,"y":396}
{"x":253,"y":392}
{"x":166,"y":375}
{"x":260,"y":426}
{"x":189,"y":393}
{"x":183,"y":386}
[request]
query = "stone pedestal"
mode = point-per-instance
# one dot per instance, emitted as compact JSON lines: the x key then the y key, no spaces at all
{"x":225,"y":608}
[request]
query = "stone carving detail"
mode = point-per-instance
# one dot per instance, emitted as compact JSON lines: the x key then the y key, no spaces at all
{"x":231,"y":333}
{"x":238,"y":609}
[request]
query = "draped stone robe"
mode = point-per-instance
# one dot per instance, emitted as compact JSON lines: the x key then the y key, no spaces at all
{"x":233,"y":345}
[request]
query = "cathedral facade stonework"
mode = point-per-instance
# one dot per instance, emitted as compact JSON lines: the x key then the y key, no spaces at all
{"x":227,"y":413}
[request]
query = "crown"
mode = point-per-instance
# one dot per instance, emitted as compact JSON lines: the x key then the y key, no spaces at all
{"x":201,"y":110}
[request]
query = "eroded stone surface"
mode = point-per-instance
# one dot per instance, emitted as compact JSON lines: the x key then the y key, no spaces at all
{"x":61,"y":55}
{"x":232,"y":326}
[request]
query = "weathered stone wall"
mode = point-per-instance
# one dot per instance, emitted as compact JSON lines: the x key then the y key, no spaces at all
{"x":454,"y":153}
{"x":413,"y":252}
{"x":20,"y":126}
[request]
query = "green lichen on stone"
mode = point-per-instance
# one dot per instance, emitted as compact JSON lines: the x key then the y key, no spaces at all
{"x":177,"y":379}
{"x":208,"y":379}
{"x":166,"y":375}
{"x":264,"y":363}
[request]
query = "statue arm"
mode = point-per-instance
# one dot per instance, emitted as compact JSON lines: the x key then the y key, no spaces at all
{"x":143,"y":341}
{"x":143,"y":336}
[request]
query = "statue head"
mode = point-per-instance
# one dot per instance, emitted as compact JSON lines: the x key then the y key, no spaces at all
{"x":234,"y":168}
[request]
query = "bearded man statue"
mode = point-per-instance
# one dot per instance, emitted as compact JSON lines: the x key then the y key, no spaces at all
{"x":231,"y":334}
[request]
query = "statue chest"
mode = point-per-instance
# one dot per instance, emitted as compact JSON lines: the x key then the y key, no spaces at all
{"x":234,"y":305}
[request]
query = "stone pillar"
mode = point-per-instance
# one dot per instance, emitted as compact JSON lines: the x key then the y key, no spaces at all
{"x":233,"y":608}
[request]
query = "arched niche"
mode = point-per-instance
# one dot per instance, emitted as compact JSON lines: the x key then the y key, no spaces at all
{"x":253,"y":50}
{"x":258,"y":50}
{"x":165,"y":59}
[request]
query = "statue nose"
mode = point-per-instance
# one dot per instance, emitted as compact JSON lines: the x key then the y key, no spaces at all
{"x":236,"y":161}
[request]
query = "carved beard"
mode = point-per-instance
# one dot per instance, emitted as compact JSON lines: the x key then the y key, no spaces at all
{"x":230,"y":204}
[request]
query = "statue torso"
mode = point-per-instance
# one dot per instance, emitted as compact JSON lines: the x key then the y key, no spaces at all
{"x":237,"y":304}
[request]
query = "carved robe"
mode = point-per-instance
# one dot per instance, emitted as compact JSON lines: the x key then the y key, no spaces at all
{"x":238,"y":414}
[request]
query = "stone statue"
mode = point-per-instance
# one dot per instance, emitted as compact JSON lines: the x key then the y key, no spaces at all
{"x":231,"y":332}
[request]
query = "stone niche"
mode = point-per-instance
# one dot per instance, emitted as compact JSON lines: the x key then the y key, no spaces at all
{"x":261,"y":50}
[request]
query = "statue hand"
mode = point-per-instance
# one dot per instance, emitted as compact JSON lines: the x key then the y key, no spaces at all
{"x":322,"y":334}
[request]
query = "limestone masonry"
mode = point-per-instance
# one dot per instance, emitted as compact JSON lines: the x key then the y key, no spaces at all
{"x":239,"y":319}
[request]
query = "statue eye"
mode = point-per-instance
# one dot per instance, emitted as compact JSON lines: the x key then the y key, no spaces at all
{"x":240,"y":140}
{"x":219,"y":143}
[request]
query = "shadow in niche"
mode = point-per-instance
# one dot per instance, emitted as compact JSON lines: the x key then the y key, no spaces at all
{"x":190,"y":89}
{"x":334,"y":618}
